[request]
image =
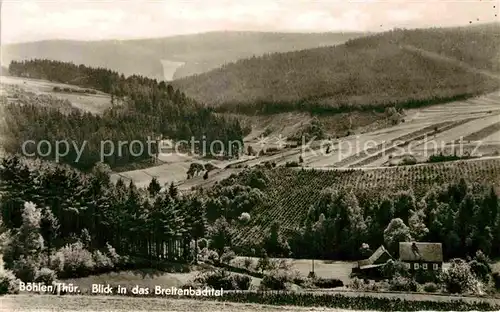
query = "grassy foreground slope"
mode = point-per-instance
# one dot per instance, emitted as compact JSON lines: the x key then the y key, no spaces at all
{"x":291,"y":191}
{"x":184,"y":55}
{"x":364,"y":72}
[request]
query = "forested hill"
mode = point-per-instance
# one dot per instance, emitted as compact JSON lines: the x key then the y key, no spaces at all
{"x":373,"y":71}
{"x":147,"y":108}
{"x":188,"y":54}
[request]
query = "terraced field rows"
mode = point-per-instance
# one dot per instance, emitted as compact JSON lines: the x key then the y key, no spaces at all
{"x":493,"y":138}
{"x":423,"y":136}
{"x":355,"y":159}
{"x":350,"y":147}
{"x":293,"y":191}
{"x":450,"y":119}
{"x":456,"y":133}
{"x":483,"y":133}
{"x":482,"y":105}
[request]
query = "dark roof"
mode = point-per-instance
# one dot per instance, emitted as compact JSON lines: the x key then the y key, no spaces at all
{"x":427,"y":252}
{"x":374,"y":257}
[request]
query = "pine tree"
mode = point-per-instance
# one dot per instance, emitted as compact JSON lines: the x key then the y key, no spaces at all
{"x":172,"y":190}
{"x":154,"y":187}
{"x":49,"y":228}
{"x":196,"y":221}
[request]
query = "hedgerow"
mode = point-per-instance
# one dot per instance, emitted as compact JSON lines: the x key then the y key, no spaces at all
{"x":340,"y":301}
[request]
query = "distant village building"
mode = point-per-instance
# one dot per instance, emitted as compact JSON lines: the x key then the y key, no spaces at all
{"x":426,"y":256}
{"x":166,"y":145}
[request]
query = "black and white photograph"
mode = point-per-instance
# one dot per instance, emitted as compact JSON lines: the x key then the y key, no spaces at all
{"x":237,"y":155}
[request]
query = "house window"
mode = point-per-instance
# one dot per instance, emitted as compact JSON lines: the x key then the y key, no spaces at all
{"x":435,"y":266}
{"x":416,"y":266}
{"x":407,"y":265}
{"x":424,"y":266}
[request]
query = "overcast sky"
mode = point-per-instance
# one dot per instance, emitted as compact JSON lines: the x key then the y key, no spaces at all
{"x":28,"y":20}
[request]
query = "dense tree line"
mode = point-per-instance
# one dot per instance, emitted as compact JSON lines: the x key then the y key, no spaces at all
{"x":150,"y":109}
{"x":89,"y":207}
{"x":365,"y":73}
{"x":54,"y":213}
{"x":463,"y":216}
{"x":476,"y":45}
{"x":86,"y":208}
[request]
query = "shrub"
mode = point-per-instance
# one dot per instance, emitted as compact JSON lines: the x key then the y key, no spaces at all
{"x":276,"y":280}
{"x":263,"y":263}
{"x":9,"y":284}
{"x":284,"y":264}
{"x":304,"y":282}
{"x":46,"y":276}
{"x":299,"y":280}
{"x":244,"y":217}
{"x":480,"y":266}
{"x":407,"y":160}
{"x":77,"y":260}
{"x":328,"y":283}
{"x":247,"y":263}
{"x":227,"y":256}
{"x":401,"y":283}
{"x":242,"y":282}
{"x":356,"y":284}
{"x":25,"y":268}
{"x":213,"y":256}
{"x":374,"y":287}
{"x":291,"y":164}
{"x":203,"y":254}
{"x":112,"y":254}
{"x":431,"y":287}
{"x":219,"y":279}
{"x":203,"y":243}
{"x":423,"y":276}
{"x":57,"y":261}
{"x":480,"y":270}
{"x":273,"y":264}
{"x":393,"y":268}
{"x":459,"y":277}
{"x":222,"y":279}
{"x":101,"y":261}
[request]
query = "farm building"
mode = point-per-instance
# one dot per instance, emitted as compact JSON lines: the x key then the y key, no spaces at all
{"x":371,"y":267}
{"x":426,"y":256}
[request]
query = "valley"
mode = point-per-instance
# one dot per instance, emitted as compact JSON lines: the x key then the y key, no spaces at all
{"x":312,"y":152}
{"x":425,"y":132}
